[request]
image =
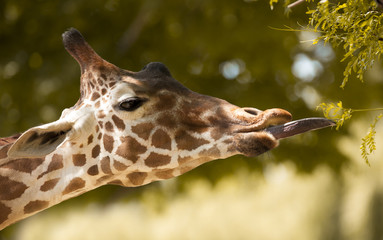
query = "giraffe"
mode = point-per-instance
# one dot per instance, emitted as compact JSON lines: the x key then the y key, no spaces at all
{"x":130,"y":129}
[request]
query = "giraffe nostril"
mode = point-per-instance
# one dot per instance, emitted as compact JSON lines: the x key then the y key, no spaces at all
{"x":252,"y":111}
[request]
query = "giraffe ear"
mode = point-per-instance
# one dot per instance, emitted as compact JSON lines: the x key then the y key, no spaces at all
{"x":40,"y":141}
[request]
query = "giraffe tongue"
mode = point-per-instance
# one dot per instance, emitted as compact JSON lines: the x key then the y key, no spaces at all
{"x":299,"y":126}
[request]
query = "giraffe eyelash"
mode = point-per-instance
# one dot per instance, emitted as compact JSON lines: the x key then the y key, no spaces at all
{"x":131,"y":104}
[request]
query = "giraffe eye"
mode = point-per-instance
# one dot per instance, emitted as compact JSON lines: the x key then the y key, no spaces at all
{"x":131,"y":104}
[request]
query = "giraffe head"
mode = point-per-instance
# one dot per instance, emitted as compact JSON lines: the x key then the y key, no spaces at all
{"x":146,"y":122}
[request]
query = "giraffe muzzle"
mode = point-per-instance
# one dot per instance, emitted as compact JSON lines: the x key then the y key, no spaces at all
{"x":261,"y":130}
{"x":278,"y":122}
{"x":253,"y":120}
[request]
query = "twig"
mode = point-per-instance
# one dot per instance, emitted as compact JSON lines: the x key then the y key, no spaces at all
{"x":296,"y":3}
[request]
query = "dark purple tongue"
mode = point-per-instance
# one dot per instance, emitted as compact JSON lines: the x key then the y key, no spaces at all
{"x":299,"y":126}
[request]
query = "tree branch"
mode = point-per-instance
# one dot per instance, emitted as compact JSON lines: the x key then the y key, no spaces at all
{"x":296,"y":3}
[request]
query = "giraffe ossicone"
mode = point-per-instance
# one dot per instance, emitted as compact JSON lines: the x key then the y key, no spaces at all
{"x":128,"y":128}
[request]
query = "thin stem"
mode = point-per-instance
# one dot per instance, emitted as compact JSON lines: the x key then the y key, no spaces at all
{"x":367,"y":109}
{"x":296,"y":3}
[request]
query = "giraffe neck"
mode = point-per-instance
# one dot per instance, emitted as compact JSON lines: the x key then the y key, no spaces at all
{"x":30,"y":185}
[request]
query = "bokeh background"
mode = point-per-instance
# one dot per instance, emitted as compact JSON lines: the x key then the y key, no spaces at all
{"x":313,"y":186}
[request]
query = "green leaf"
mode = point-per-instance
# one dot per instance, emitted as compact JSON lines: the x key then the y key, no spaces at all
{"x":368,"y":145}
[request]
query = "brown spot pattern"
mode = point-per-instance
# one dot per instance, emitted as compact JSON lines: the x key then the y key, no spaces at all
{"x":161,"y":139}
{"x":137,"y":178}
{"x":55,"y":164}
{"x":4,"y":212}
{"x":103,"y":179}
{"x":50,"y":184}
{"x":183,"y":160}
{"x":166,"y":102}
{"x":211,"y":152}
{"x":93,"y":170}
{"x":90,"y":139}
{"x":26,"y":165}
{"x":111,"y":84}
{"x":108,"y":143}
{"x":166,"y":174}
{"x":95,"y":96}
{"x":231,"y":146}
{"x":215,"y":120}
{"x":157,"y":160}
{"x":143,"y":130}
{"x":7,"y":140}
{"x":116,"y":182}
{"x":118,"y":122}
{"x":100,"y":68}
{"x":79,"y":159}
{"x":119,"y":166}
{"x":35,"y":206}
{"x":217,"y":133}
{"x":167,"y":121}
{"x":11,"y":189}
{"x":130,"y":149}
{"x":109,"y":127}
{"x":185,"y":169}
{"x":187,"y":142}
{"x":57,"y":161}
{"x":96,"y":151}
{"x":101,"y":114}
{"x":75,"y":184}
{"x":4,"y":151}
{"x":105,"y":165}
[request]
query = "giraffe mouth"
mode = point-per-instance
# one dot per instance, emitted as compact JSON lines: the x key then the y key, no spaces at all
{"x":261,"y":132}
{"x":278,"y":123}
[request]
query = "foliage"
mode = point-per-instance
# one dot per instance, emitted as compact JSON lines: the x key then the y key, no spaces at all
{"x":368,"y":145}
{"x":356,"y":26}
{"x":340,"y":114}
{"x":336,"y":112}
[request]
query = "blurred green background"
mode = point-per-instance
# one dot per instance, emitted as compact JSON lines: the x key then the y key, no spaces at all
{"x":313,"y":186}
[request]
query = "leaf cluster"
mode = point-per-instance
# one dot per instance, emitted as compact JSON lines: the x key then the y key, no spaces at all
{"x":336,"y":112}
{"x":354,"y":25}
{"x":368,"y":145}
{"x":340,"y":114}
